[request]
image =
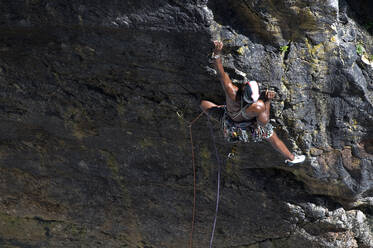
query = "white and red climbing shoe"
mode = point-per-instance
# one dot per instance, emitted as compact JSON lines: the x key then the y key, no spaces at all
{"x":297,"y":159}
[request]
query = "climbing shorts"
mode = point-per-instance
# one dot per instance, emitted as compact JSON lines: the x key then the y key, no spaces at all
{"x":262,"y":132}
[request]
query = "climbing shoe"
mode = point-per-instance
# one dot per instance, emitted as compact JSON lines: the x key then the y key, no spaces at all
{"x":297,"y":159}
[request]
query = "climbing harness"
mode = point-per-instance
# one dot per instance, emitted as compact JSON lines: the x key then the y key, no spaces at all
{"x":235,"y":132}
{"x":248,"y":131}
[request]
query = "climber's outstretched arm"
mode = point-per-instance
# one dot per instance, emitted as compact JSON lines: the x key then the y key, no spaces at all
{"x":229,"y":88}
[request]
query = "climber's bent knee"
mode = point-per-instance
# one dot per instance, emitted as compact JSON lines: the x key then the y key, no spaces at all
{"x":214,"y":111}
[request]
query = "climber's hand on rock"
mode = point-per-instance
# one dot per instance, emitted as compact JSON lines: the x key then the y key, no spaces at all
{"x":218,"y":46}
{"x":270,"y":94}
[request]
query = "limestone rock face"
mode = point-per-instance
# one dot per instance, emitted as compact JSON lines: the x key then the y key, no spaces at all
{"x":95,"y":102}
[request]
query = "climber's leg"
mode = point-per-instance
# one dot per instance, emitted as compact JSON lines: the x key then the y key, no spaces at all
{"x":212,"y":110}
{"x":280,"y":146}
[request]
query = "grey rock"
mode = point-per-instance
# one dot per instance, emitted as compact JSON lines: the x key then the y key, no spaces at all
{"x":95,"y":103}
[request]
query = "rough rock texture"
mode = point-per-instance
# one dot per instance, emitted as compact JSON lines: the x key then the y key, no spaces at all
{"x":95,"y":99}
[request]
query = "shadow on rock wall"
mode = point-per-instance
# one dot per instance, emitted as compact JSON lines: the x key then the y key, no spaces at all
{"x":361,"y":11}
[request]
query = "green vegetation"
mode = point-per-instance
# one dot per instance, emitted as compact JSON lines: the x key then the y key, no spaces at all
{"x":359,"y":49}
{"x":284,"y":49}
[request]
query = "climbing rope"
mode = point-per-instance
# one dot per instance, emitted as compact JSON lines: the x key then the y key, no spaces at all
{"x":218,"y":191}
{"x":194,"y":179}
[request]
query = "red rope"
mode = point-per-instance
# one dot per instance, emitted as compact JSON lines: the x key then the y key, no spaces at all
{"x":194,"y":179}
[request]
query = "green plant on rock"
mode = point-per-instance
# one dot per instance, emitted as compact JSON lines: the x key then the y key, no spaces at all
{"x":359,"y":49}
{"x":284,"y":49}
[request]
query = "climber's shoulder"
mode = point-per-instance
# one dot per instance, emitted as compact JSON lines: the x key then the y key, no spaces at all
{"x":257,"y":107}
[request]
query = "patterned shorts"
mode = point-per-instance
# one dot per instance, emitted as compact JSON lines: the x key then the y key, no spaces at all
{"x":262,"y":132}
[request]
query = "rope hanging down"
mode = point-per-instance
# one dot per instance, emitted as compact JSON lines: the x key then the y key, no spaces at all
{"x":194,"y":180}
{"x":218,"y":191}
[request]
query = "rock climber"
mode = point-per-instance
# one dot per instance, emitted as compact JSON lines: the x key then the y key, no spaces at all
{"x":244,"y":106}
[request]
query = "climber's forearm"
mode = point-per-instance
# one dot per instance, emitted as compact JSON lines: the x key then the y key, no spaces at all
{"x":223,"y":77}
{"x":219,"y":66}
